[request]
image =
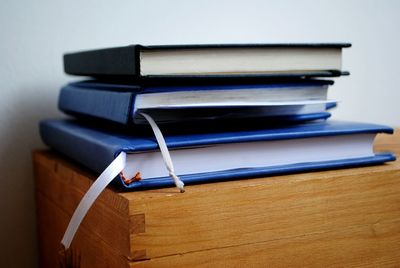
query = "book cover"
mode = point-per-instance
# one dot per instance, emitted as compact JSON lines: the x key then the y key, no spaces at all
{"x":289,"y":149}
{"x":120,"y":103}
{"x":138,"y":61}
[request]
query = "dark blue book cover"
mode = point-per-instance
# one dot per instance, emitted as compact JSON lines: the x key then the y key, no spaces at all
{"x":132,"y":61}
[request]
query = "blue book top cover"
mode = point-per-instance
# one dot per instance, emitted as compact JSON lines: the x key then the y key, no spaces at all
{"x":96,"y":148}
{"x":125,"y":61}
{"x":116,"y":102}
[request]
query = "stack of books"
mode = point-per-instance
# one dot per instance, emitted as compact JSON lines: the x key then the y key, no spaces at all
{"x":158,"y":116}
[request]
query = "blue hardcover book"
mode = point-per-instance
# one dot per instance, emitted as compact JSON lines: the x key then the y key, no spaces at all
{"x":214,"y":156}
{"x":298,"y":100}
{"x":211,"y":61}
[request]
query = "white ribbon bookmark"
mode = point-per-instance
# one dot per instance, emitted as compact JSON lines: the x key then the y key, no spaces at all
{"x":164,"y":152}
{"x":91,"y":195}
{"x":115,"y":168}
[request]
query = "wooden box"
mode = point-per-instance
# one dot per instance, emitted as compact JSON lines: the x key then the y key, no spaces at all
{"x":348,"y":217}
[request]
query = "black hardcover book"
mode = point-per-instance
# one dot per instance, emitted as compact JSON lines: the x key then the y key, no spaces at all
{"x":210,"y":61}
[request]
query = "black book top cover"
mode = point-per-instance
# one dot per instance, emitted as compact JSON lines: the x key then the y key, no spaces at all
{"x":124,"y":62}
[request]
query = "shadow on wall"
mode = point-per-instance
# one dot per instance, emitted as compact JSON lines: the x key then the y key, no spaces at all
{"x":19,"y":136}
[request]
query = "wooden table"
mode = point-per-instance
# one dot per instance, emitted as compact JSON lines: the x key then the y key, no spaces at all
{"x":337,"y":218}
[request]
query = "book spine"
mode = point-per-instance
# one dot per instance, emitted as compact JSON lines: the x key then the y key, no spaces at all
{"x":77,"y":145}
{"x":119,"y":61}
{"x":110,"y":105}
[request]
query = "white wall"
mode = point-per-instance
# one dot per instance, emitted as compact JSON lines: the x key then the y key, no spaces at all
{"x":34,"y":35}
